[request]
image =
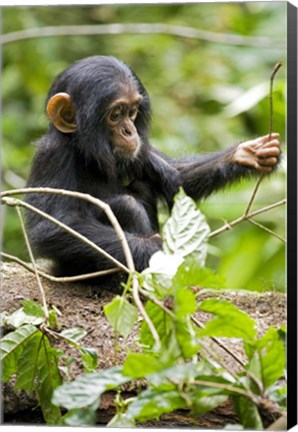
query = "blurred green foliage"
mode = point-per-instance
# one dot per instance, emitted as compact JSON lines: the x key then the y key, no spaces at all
{"x":205,"y":96}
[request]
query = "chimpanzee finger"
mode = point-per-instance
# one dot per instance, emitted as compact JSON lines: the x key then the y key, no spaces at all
{"x":267,"y":161}
{"x":267,"y":152}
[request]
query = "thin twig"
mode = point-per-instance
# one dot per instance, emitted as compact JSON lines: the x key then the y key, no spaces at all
{"x":230,"y":353}
{"x":41,"y":290}
{"x":230,"y":388}
{"x":272,"y":76}
{"x":138,"y":302}
{"x":89,"y":198}
{"x":244,"y":217}
{"x":139,"y":28}
{"x":267,"y":229}
{"x":129,"y":259}
{"x":59,"y":279}
{"x":16,"y":202}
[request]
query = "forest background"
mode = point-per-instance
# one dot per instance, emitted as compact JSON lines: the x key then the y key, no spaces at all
{"x":207,"y":69}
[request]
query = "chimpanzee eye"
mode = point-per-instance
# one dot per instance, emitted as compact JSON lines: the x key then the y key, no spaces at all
{"x":133,"y":112}
{"x":116,"y":114}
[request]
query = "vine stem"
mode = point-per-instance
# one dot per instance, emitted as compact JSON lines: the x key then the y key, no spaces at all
{"x":59,"y":279}
{"x":130,"y":269}
{"x":272,"y":76}
{"x":41,"y":290}
{"x":246,"y":217}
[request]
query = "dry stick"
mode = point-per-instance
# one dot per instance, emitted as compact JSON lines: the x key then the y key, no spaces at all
{"x":139,"y":28}
{"x":85,"y":197}
{"x":267,"y":229}
{"x":13,"y":202}
{"x":59,"y":279}
{"x":42,"y":293}
{"x":228,"y":351}
{"x":246,"y":217}
{"x":116,"y":226}
{"x":274,"y":72}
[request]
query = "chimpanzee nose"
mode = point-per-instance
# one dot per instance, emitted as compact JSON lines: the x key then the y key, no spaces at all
{"x":126,"y":130}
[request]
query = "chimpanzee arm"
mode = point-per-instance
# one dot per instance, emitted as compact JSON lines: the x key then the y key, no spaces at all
{"x":200,"y":175}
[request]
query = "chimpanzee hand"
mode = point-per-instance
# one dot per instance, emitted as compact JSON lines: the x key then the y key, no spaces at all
{"x":259,"y":153}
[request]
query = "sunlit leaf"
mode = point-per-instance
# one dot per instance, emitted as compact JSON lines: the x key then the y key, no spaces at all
{"x":121,"y":315}
{"x":229,"y":320}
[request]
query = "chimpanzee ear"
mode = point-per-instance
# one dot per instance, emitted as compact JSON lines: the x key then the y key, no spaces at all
{"x":62,"y":113}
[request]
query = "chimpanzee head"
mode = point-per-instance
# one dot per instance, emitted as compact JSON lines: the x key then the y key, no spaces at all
{"x":101,"y":105}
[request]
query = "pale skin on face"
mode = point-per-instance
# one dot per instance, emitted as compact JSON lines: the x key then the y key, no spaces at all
{"x":260,"y":153}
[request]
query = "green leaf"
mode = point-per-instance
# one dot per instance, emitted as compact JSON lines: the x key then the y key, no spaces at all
{"x":185,"y":302}
{"x":185,"y":335}
{"x":247,"y":413}
{"x":80,"y":417}
{"x":20,"y":318}
{"x":186,"y":231}
{"x":28,"y":364}
{"x":121,"y":420}
{"x":11,"y":347}
{"x":74,"y":334}
{"x":160,"y":320}
{"x":89,"y":359}
{"x":203,"y":403}
{"x":229,"y":322}
{"x":272,"y":356}
{"x":191,"y":274}
{"x":32,"y":308}
{"x":86,"y":390}
{"x":48,"y":379}
{"x":121,"y":315}
{"x":138,"y":365}
{"x":152,"y":403}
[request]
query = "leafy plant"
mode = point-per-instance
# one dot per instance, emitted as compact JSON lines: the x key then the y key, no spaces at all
{"x":179,"y":365}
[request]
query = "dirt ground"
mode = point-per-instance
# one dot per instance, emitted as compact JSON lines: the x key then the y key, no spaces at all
{"x":82,"y":305}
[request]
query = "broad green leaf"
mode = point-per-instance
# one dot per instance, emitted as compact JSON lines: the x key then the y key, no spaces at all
{"x":11,"y":347}
{"x":121,"y":420}
{"x":272,"y":356}
{"x":161,"y":322}
{"x":229,"y":322}
{"x":247,"y":413}
{"x":186,"y":231}
{"x":80,"y":417}
{"x":185,"y":302}
{"x":48,"y":379}
{"x":182,"y":372}
{"x":138,"y":365}
{"x":74,"y":334}
{"x":89,"y":359}
{"x":202,"y":404}
{"x":152,"y":403}
{"x":28,"y":364}
{"x":121,"y":315}
{"x":86,"y":390}
{"x":89,"y":355}
{"x":186,"y":338}
{"x":191,"y":274}
{"x":20,"y":318}
{"x":32,"y":308}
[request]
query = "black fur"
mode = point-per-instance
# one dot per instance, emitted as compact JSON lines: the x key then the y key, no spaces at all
{"x":83,"y":161}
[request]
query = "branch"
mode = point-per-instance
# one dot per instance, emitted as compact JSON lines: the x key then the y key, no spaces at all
{"x":86,"y":197}
{"x":13,"y":202}
{"x":59,"y":279}
{"x":230,"y":225}
{"x":141,"y":28}
{"x":130,"y":263}
{"x":43,"y":296}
